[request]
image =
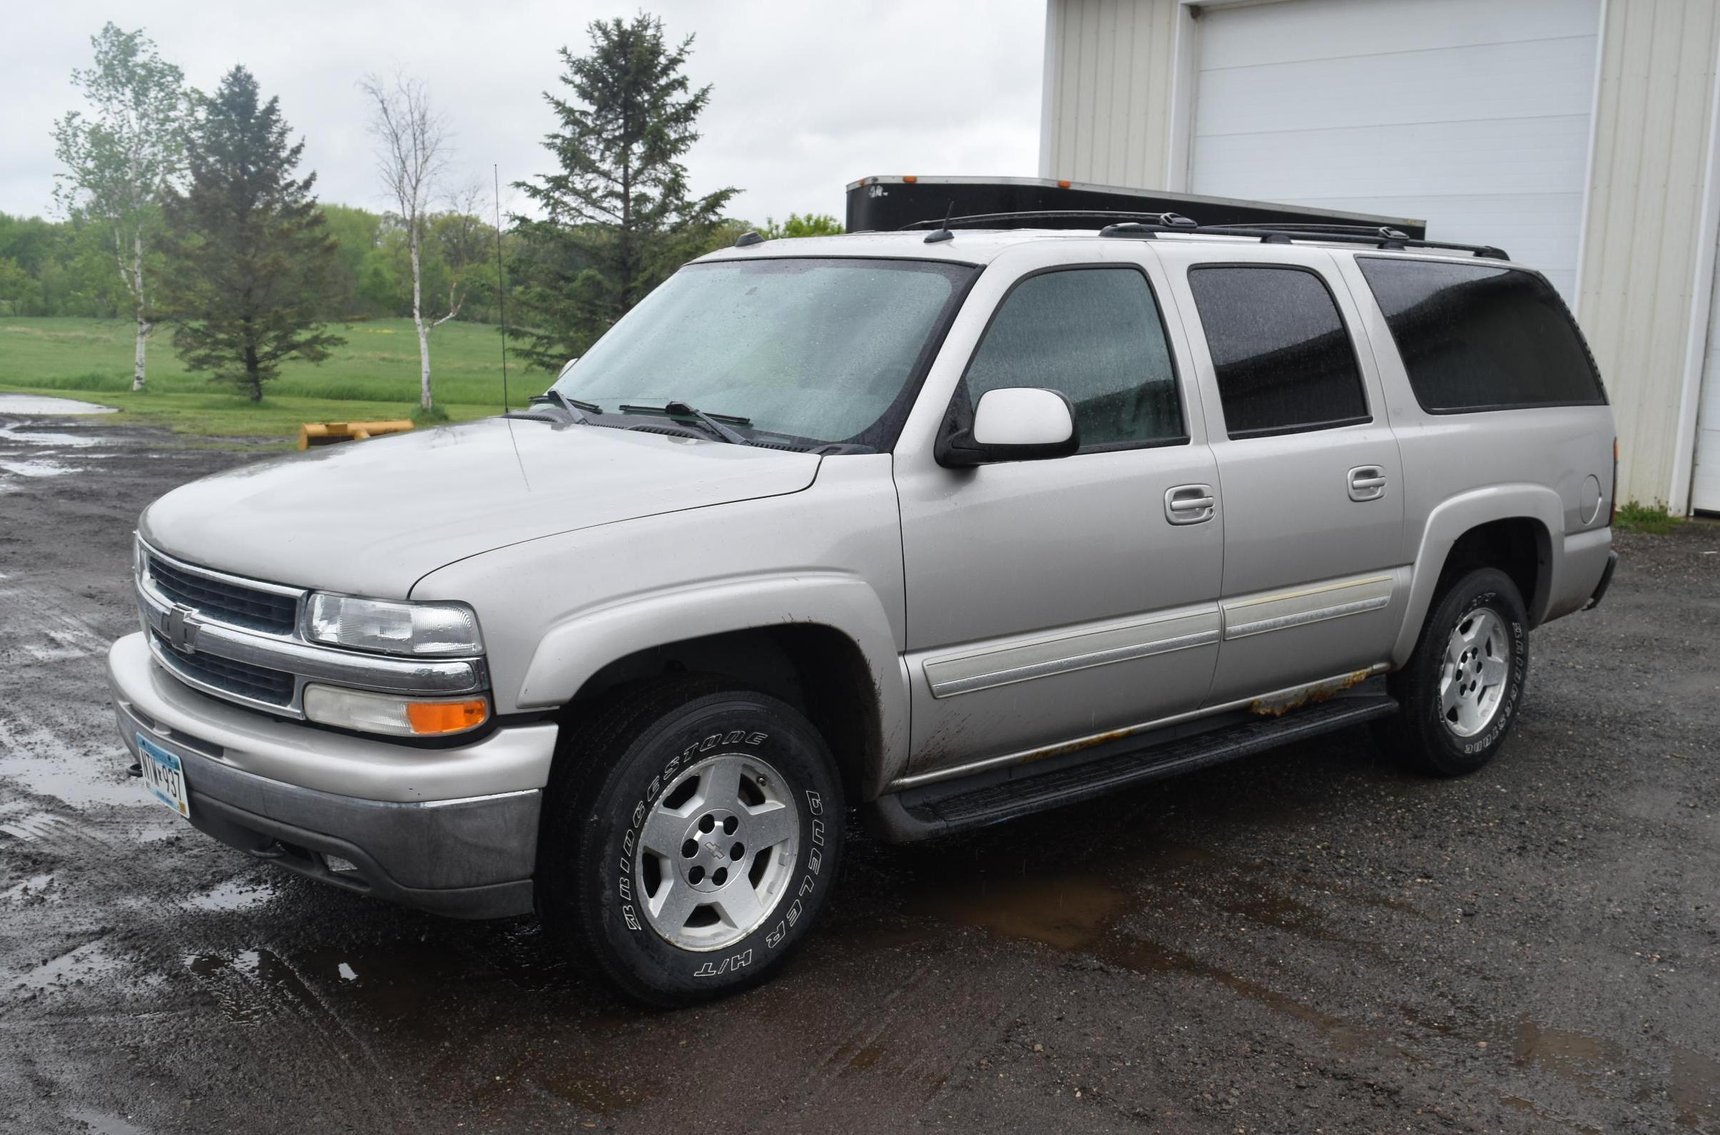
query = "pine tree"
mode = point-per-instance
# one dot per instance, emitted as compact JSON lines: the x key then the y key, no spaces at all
{"x":250,"y":250}
{"x":617,"y":217}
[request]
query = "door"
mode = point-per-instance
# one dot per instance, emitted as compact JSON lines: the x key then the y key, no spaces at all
{"x":1057,"y":599}
{"x":1313,"y":582}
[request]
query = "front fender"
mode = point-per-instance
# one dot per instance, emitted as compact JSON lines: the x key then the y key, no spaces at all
{"x":1450,"y":520}
{"x":573,"y":650}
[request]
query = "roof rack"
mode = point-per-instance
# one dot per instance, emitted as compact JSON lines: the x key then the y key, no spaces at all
{"x":1027,"y":219}
{"x":1380,"y":237}
{"x":1149,"y":225}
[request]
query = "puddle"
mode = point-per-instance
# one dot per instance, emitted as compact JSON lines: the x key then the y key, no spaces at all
{"x":1695,"y":1089}
{"x":236,"y":894}
{"x":101,"y":1123}
{"x":77,"y":781}
{"x":23,"y":435}
{"x":39,"y":467}
{"x":74,"y":967}
{"x":1077,"y":914}
{"x":36,"y":886}
{"x":41,"y":404}
{"x":1570,"y":1055}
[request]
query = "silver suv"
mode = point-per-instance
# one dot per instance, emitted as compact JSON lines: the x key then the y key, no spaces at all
{"x":941,"y":527}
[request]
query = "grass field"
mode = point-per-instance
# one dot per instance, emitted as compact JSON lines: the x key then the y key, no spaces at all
{"x":374,"y":376}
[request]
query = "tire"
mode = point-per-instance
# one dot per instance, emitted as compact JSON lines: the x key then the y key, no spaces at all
{"x":1463,"y":685}
{"x":691,"y":836}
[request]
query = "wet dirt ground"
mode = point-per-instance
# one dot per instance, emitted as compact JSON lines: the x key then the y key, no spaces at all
{"x":1306,"y":941}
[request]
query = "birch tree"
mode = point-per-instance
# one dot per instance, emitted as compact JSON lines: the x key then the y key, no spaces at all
{"x":122,"y":156}
{"x":411,"y":153}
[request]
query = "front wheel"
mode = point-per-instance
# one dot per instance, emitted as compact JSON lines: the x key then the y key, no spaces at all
{"x":691,"y":839}
{"x":1462,"y":687}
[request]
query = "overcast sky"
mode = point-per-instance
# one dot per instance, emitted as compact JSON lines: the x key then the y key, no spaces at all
{"x":806,"y":97}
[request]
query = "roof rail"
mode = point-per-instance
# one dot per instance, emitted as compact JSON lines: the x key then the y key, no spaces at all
{"x":1149,"y":225}
{"x":1380,"y":237}
{"x":1027,"y":219}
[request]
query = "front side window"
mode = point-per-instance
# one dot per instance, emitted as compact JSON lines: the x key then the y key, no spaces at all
{"x":814,"y":350}
{"x":1095,"y":335}
{"x":1479,"y":337}
{"x":1283,"y":358}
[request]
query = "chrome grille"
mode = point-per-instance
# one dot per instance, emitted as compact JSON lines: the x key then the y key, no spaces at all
{"x":238,"y":639}
{"x":225,"y":600}
{"x":255,"y":683}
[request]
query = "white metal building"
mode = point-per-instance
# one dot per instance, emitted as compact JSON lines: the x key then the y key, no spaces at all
{"x":1581,"y":135}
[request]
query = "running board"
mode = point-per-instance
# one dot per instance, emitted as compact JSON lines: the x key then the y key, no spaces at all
{"x":994,"y":796}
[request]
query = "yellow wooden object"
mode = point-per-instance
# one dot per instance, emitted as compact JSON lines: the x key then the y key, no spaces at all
{"x":327,"y":433}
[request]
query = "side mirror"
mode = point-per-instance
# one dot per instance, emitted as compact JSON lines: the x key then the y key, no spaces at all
{"x":1013,"y":424}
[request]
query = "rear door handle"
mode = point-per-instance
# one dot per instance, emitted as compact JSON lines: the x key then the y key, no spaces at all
{"x":1190,"y":504}
{"x":1367,"y":483}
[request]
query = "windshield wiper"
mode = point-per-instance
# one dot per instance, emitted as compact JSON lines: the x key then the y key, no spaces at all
{"x":709,"y":421}
{"x":574,"y":408}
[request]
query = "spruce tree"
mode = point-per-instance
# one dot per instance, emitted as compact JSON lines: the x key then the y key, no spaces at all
{"x":617,"y":217}
{"x":250,"y":250}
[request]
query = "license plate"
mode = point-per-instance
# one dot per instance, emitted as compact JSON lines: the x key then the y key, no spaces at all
{"x":163,"y":775}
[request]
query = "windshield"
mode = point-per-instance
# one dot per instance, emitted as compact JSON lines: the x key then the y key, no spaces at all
{"x":820,"y":350}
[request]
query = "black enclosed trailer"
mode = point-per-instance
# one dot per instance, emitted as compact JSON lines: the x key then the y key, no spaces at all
{"x":896,"y":202}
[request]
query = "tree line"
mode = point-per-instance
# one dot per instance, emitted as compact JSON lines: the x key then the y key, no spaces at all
{"x":51,"y":267}
{"x":189,"y":209}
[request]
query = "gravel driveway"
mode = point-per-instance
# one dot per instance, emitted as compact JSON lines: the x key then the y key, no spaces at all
{"x":1308,"y":940}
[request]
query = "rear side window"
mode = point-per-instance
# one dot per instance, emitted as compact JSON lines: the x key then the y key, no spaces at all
{"x":1096,"y":335}
{"x":1285,"y":362}
{"x":1479,"y":337}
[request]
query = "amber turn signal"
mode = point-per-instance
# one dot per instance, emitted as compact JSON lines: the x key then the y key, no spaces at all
{"x":432,"y":717}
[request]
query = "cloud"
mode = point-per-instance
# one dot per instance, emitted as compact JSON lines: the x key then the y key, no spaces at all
{"x":805,"y":97}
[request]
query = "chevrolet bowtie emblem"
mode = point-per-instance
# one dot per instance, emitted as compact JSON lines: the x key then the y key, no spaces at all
{"x":180,"y":629}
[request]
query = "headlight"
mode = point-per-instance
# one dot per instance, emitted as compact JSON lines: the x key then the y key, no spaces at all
{"x":433,"y":629}
{"x":137,"y":556}
{"x":390,"y":713}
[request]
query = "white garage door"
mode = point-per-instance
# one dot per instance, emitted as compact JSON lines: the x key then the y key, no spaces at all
{"x":1472,"y":114}
{"x":1705,"y":484}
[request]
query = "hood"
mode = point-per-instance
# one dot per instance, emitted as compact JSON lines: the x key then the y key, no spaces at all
{"x":373,"y":517}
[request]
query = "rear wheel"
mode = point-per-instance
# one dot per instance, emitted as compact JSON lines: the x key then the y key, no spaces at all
{"x":1461,"y":689}
{"x":690,"y":839}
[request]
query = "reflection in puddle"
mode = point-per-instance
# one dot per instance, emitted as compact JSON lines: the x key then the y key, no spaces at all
{"x":85,"y":963}
{"x":38,"y":468}
{"x":234,"y":894}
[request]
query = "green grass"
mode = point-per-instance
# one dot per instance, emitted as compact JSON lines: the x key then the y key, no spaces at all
{"x":374,"y":376}
{"x":1650,"y":518}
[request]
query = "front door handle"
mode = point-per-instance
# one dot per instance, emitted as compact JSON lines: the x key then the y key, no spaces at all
{"x":1190,"y":504}
{"x":1367,"y":483}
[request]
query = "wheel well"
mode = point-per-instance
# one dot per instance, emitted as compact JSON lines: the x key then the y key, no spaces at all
{"x":817,"y":669}
{"x":1519,"y":547}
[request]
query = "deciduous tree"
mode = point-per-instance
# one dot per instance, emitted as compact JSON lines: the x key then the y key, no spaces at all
{"x":250,"y":250}
{"x":123,"y":156}
{"x":617,"y":216}
{"x":411,"y":153}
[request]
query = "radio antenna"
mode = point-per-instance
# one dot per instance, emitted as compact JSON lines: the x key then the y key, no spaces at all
{"x":501,"y":284}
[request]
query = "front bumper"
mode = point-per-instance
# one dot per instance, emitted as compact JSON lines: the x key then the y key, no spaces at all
{"x":450,"y":830}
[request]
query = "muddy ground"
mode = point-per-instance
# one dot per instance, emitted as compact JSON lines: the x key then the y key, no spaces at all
{"x":1305,"y":941}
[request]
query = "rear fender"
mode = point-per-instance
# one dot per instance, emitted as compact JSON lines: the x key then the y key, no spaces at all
{"x":1450,"y":520}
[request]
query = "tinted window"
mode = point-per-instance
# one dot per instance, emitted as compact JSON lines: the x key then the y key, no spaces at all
{"x":1283,"y":358}
{"x":1479,"y":337}
{"x":1094,"y":334}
